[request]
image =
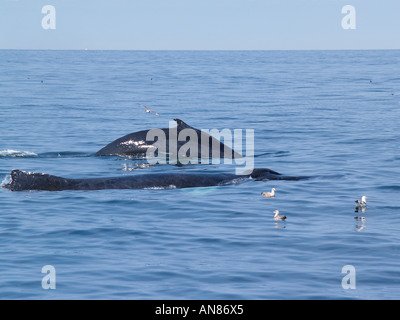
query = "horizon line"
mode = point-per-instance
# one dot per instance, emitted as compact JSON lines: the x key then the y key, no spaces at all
{"x":87,"y":49}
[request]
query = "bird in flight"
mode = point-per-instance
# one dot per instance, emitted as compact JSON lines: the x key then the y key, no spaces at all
{"x":148,"y":110}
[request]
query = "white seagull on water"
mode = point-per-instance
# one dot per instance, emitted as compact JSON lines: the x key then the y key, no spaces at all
{"x":277,"y":216}
{"x":269,"y":194}
{"x":362,"y":203}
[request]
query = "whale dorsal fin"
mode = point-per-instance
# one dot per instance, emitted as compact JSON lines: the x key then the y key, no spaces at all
{"x":182,"y":124}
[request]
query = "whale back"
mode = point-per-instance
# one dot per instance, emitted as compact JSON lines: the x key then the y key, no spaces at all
{"x":136,"y":143}
{"x":22,"y":180}
{"x":133,"y":143}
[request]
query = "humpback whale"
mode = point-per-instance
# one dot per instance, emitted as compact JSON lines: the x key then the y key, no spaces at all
{"x":138,"y":143}
{"x":21,"y":180}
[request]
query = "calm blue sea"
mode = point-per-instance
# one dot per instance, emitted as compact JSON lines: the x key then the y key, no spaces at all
{"x":331,"y":115}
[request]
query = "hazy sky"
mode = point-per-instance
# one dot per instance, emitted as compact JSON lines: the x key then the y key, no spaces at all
{"x":200,"y":24}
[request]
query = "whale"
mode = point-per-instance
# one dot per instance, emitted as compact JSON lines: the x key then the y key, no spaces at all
{"x":24,"y":181}
{"x":138,"y":143}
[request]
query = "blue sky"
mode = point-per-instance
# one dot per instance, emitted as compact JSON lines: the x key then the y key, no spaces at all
{"x":200,"y":25}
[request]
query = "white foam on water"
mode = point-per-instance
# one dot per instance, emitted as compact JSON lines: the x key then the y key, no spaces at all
{"x":6,"y":180}
{"x":171,"y":186}
{"x":16,"y":153}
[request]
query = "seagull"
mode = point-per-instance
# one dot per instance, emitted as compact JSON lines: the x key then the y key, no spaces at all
{"x":148,"y":110}
{"x":277,"y":216}
{"x":362,"y":203}
{"x":269,"y":194}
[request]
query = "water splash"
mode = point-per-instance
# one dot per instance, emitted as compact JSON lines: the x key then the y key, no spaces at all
{"x":171,"y":186}
{"x":10,"y":153}
{"x":5,"y":181}
{"x":16,"y":153}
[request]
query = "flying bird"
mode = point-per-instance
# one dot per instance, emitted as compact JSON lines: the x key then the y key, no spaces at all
{"x":148,"y":110}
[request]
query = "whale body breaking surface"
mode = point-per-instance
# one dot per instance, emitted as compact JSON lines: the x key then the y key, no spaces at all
{"x":140,"y":142}
{"x":22,"y":180}
{"x":137,"y":143}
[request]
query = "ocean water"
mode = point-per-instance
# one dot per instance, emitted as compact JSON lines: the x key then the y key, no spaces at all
{"x":330,"y":115}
